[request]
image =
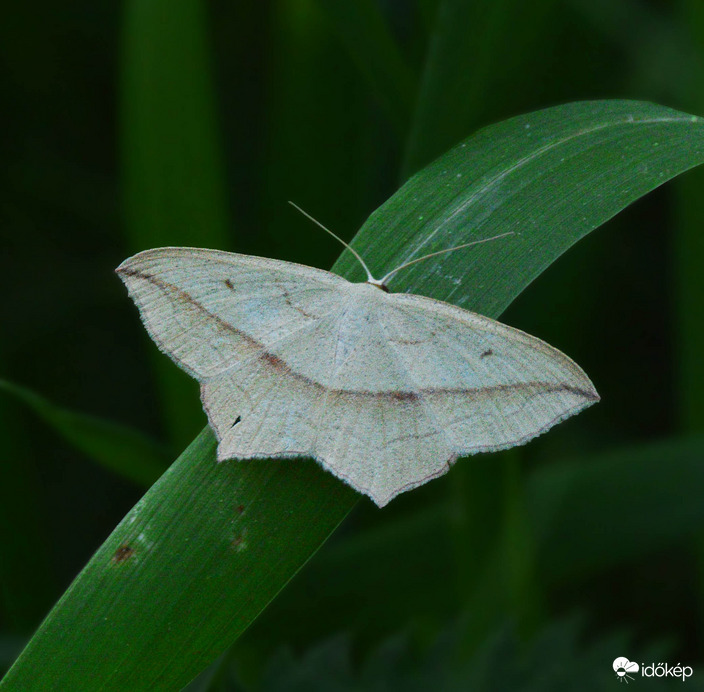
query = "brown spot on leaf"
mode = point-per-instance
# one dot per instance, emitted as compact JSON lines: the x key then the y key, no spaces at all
{"x":122,"y":554}
{"x":240,"y":509}
{"x":239,"y":542}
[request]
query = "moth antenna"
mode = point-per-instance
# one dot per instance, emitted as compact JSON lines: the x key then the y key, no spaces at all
{"x":370,"y":278}
{"x":442,"y":252}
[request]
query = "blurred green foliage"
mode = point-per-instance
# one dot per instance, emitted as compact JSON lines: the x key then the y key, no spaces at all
{"x":332,"y":104}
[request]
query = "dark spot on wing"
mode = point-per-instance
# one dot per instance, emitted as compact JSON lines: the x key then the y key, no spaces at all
{"x":591,"y":396}
{"x":237,"y":420}
{"x":122,"y":554}
{"x":298,"y":308}
{"x":404,"y":396}
{"x":407,"y":342}
{"x":486,"y":353}
{"x":229,"y":284}
{"x":273,"y":361}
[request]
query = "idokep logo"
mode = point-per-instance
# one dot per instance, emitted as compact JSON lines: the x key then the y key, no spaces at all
{"x":625,"y":669}
{"x":665,"y":670}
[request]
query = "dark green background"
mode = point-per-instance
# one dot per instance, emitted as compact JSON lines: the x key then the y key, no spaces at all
{"x":333,"y":107}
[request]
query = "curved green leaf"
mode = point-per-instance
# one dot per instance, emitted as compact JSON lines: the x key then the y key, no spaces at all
{"x":550,"y":177}
{"x":211,"y":544}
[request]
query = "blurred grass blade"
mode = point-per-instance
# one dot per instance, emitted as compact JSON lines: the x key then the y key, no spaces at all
{"x":612,"y":508}
{"x":211,"y":544}
{"x":300,"y":129}
{"x":560,"y":657}
{"x":173,"y":172}
{"x":27,"y":588}
{"x":589,"y":515}
{"x":652,"y":40}
{"x":518,"y":545}
{"x":363,"y":30}
{"x":116,"y":447}
{"x":481,"y":54}
{"x":689,"y":283}
{"x":689,"y":257}
{"x":173,"y":167}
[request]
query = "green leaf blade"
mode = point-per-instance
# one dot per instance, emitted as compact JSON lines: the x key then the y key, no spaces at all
{"x":550,"y":177}
{"x":181,"y":575}
{"x":189,"y":598}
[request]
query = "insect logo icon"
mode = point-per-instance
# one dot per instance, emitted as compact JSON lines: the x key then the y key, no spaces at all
{"x":624,"y":669}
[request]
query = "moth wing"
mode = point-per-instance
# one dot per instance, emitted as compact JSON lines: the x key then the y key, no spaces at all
{"x":209,"y":309}
{"x":489,"y":386}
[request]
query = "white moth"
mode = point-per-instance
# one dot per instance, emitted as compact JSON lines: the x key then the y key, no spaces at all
{"x":385,"y":390}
